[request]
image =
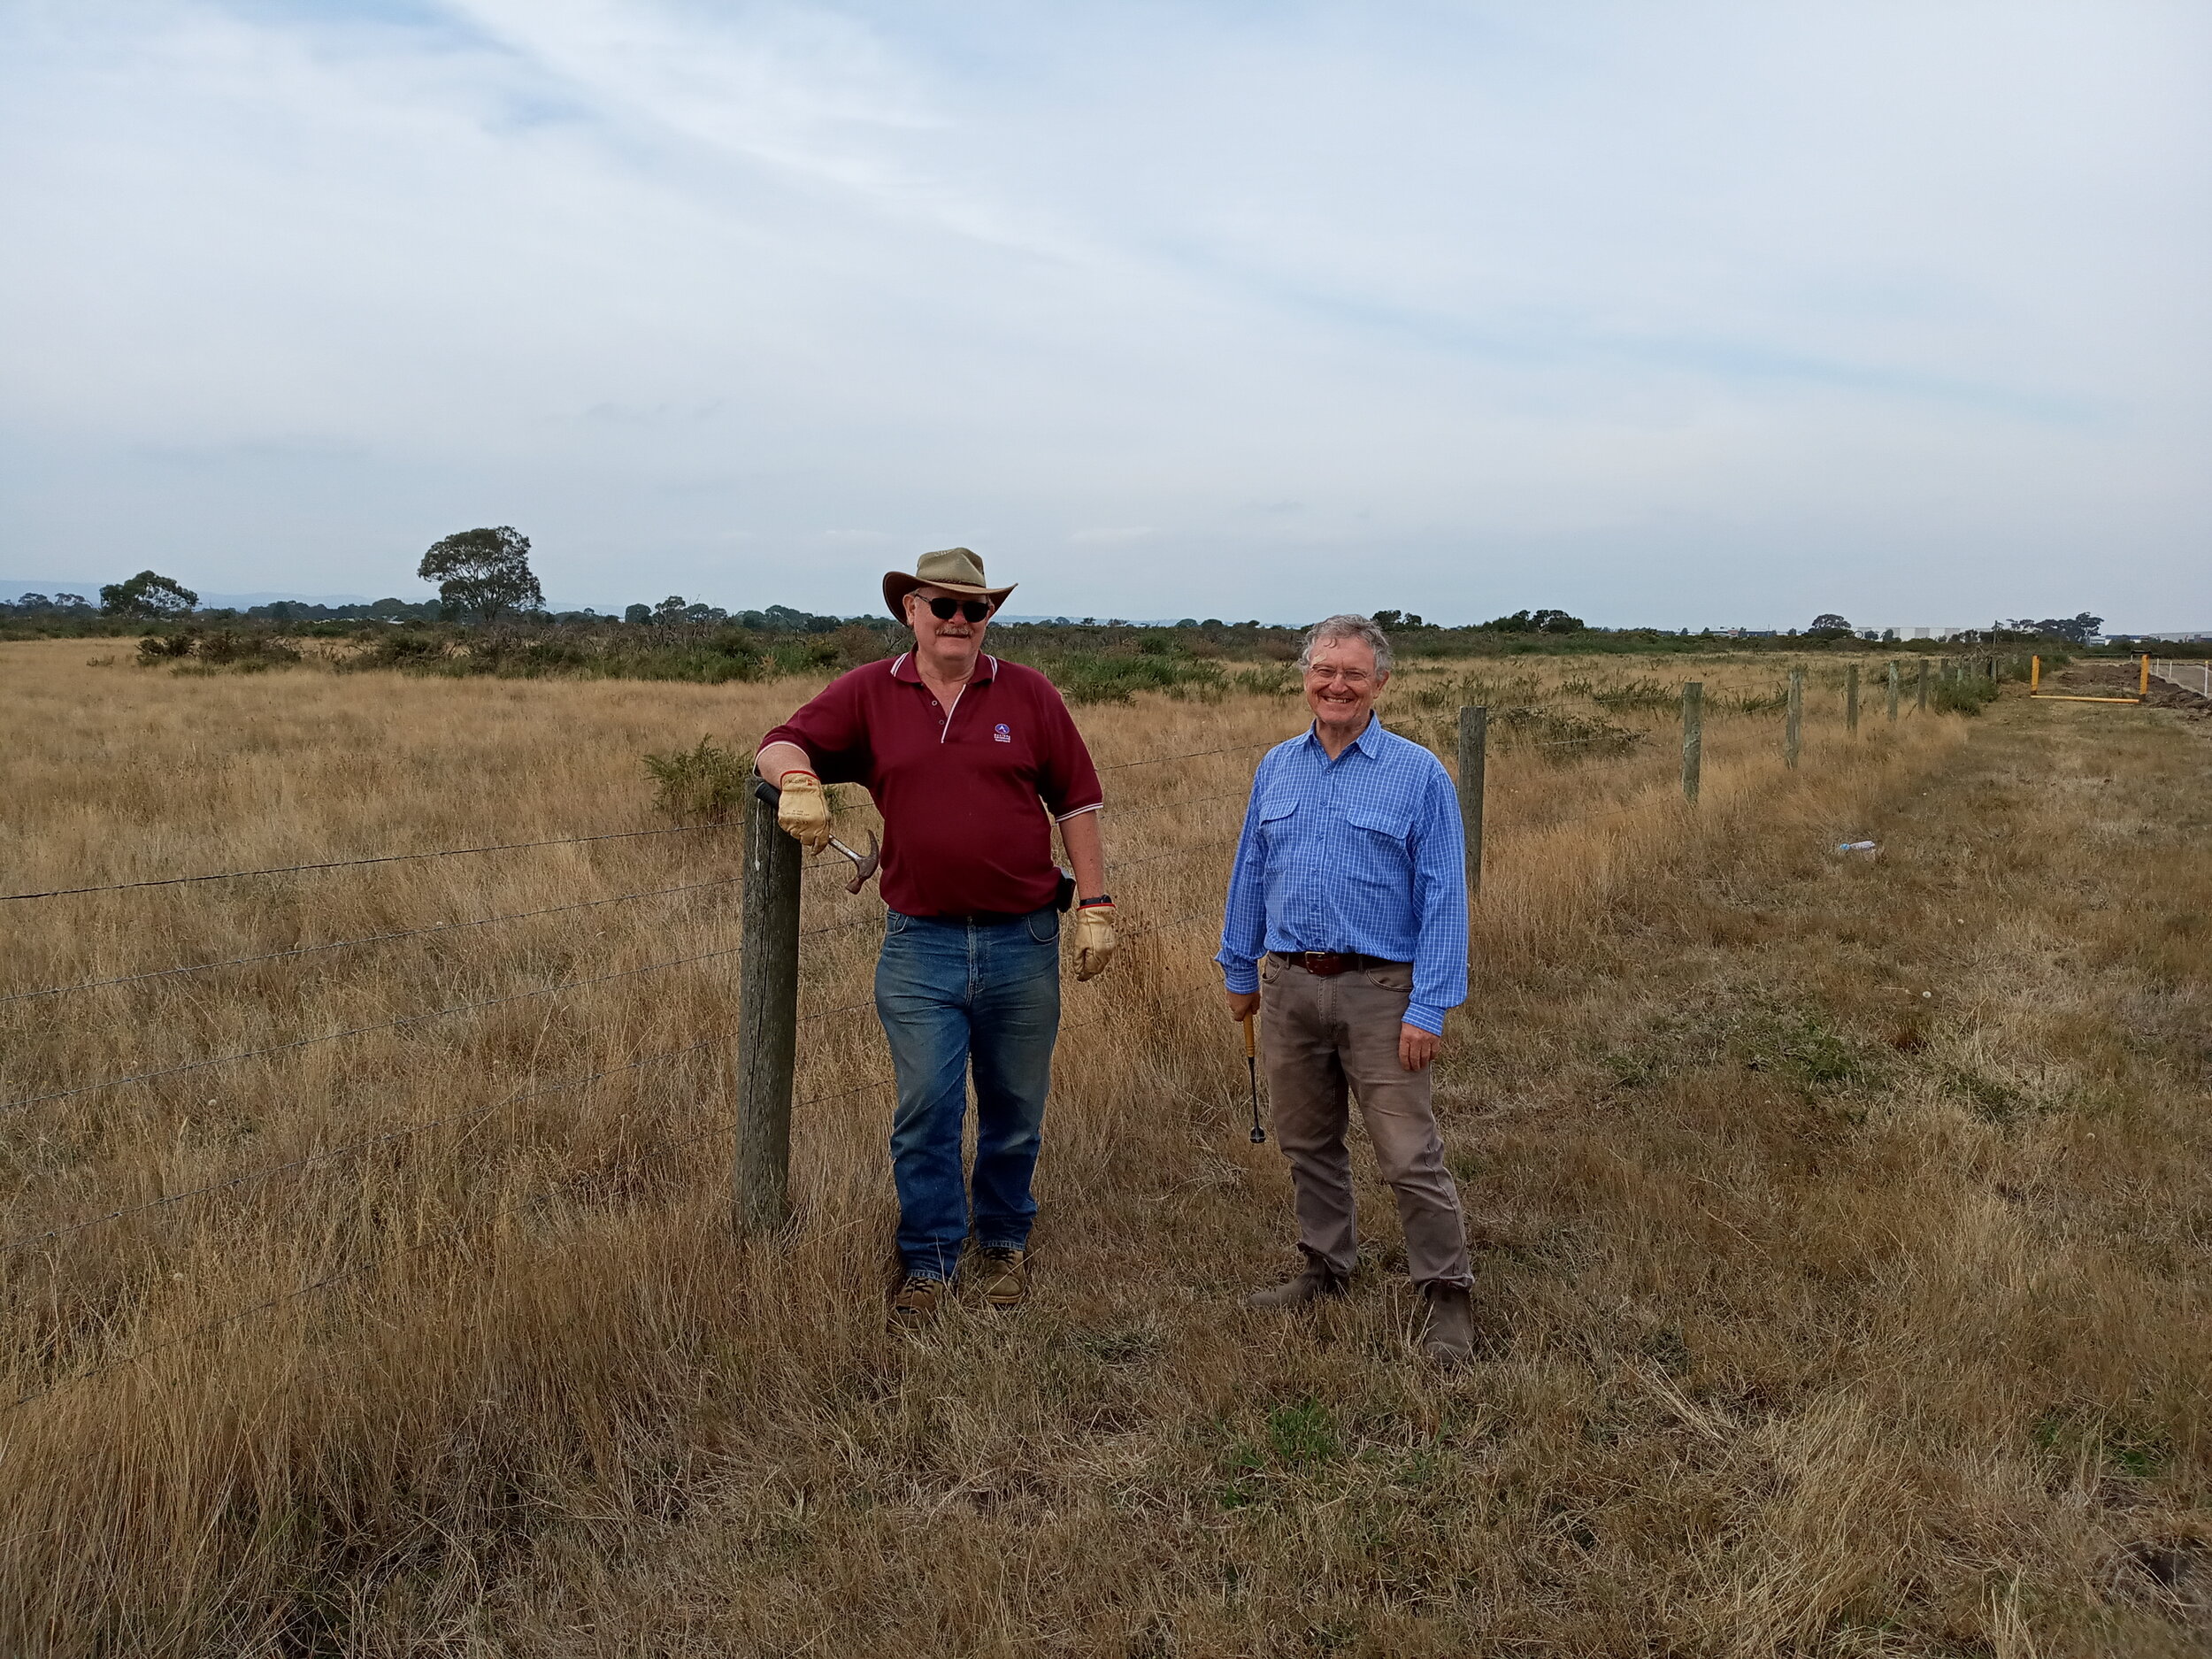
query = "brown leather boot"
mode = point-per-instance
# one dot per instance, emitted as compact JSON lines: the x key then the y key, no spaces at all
{"x":919,"y":1300}
{"x":1005,"y":1275}
{"x":1449,"y":1339}
{"x":1316,"y":1284}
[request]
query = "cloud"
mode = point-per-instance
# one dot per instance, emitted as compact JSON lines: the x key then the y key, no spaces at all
{"x":1718,"y":314}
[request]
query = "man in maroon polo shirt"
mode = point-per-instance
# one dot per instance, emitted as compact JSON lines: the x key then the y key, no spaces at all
{"x":972,"y":761}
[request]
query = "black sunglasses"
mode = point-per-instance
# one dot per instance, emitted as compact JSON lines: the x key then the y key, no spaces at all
{"x":943,"y":606}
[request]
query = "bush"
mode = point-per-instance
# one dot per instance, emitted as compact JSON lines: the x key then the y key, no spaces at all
{"x":1281,"y":681}
{"x":1963,"y":696}
{"x":246,"y":652}
{"x":700,"y":786}
{"x":1566,"y":738}
{"x":1637,"y":694}
{"x":1113,"y":678}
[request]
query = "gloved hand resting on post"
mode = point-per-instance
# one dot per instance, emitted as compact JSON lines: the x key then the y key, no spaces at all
{"x":1093,"y":939}
{"x":804,"y":813}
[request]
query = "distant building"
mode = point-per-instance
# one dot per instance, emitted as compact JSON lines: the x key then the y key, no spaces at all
{"x":1916,"y":632}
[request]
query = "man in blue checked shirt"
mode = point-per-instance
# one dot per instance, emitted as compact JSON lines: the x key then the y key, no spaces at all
{"x":1347,"y":927}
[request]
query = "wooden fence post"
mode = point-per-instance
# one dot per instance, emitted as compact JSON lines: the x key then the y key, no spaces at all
{"x":767,"y":1017}
{"x":1474,"y":745}
{"x":1692,"y":738}
{"x":1892,"y":691}
{"x":1851,"y":699}
{"x":1793,"y":722}
{"x":1921,"y":697}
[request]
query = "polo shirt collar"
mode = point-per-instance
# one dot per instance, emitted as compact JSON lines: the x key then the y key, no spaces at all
{"x":902,"y":669}
{"x":1369,"y":743}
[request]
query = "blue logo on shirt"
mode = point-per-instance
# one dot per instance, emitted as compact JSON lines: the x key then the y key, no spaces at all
{"x":1002,"y":733}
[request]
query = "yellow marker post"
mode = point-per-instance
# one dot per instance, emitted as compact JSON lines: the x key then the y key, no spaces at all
{"x":2142,"y":686}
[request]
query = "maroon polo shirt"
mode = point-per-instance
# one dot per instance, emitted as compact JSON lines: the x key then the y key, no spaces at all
{"x":964,"y":799}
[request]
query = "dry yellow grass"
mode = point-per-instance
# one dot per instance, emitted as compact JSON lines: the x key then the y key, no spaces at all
{"x":1830,"y":1316}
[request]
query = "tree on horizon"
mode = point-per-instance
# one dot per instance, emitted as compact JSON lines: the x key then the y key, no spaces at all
{"x":483,"y":573}
{"x":148,"y":593}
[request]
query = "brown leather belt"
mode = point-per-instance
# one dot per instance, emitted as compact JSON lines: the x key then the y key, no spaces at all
{"x":1324,"y":964}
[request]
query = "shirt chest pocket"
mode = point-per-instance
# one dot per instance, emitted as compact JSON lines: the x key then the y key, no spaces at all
{"x":1387,"y":823}
{"x":1279,"y":817}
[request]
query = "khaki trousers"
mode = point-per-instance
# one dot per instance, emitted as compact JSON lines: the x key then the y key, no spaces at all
{"x":1319,"y":1036}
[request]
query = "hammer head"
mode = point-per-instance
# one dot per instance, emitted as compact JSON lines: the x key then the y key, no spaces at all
{"x":864,"y":865}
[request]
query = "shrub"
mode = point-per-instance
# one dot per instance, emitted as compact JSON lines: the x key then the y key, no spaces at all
{"x":1566,"y":738}
{"x":1114,"y":679}
{"x":703,"y":785}
{"x":1636,"y":694}
{"x":1963,"y":696}
{"x":246,"y":652}
{"x":1268,"y":682}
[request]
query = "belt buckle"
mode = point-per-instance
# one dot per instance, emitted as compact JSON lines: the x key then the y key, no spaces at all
{"x":1326,"y":964}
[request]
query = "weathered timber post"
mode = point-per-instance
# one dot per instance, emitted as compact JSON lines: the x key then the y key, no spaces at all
{"x":1851,"y":699}
{"x":1692,"y":738}
{"x":1474,"y":745}
{"x":1921,"y":696}
{"x":1892,"y":692}
{"x":767,"y":1017}
{"x":1793,"y":722}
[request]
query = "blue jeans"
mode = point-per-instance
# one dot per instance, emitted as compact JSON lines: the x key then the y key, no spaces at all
{"x":949,"y":992}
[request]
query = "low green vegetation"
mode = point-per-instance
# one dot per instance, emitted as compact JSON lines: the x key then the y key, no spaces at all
{"x":701,"y":785}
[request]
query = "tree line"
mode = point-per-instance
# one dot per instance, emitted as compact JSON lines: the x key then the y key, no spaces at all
{"x":484,"y":578}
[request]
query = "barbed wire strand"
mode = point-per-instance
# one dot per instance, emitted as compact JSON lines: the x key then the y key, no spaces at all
{"x":1162,"y":806}
{"x":366,"y":939}
{"x":354,"y":863}
{"x":356,"y":1031}
{"x":331,"y":1280}
{"x":1194,"y":754}
{"x":367,"y":1143}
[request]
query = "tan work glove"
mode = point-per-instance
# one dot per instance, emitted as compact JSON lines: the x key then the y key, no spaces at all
{"x":803,"y":813}
{"x":1093,"y":939}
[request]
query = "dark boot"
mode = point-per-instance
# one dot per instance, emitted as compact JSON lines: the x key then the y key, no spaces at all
{"x":1316,"y":1284}
{"x":1449,"y":1339}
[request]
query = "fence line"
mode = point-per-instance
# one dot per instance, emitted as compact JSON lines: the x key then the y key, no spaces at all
{"x":368,"y":939}
{"x":1194,"y":754}
{"x":356,"y":1031}
{"x":366,"y":1143}
{"x":354,"y":863}
{"x":462,"y":1119}
{"x":2169,"y":669}
{"x":534,"y":1200}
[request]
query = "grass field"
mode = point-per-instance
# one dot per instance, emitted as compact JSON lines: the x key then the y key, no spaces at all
{"x":1843,"y":1224}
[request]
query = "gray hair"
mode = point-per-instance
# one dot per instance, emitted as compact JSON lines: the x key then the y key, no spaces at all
{"x":1345,"y":627}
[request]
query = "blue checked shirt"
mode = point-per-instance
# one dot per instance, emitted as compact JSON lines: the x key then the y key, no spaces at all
{"x":1363,"y":853}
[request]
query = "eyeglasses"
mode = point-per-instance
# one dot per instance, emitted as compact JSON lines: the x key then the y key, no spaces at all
{"x":944,"y":605}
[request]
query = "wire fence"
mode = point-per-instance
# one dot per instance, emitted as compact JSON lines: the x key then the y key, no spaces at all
{"x":2196,"y":677}
{"x":63,"y":1363}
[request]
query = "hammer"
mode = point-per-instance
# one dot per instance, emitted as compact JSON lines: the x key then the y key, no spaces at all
{"x":862,"y":866}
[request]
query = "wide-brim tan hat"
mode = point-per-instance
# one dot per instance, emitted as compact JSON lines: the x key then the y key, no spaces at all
{"x":955,"y":569}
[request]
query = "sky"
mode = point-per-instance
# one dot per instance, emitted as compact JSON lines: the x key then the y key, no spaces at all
{"x":1668,"y":315}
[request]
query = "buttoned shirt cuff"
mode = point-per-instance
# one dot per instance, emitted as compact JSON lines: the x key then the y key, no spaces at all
{"x":1241,"y":977}
{"x":1429,"y":1020}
